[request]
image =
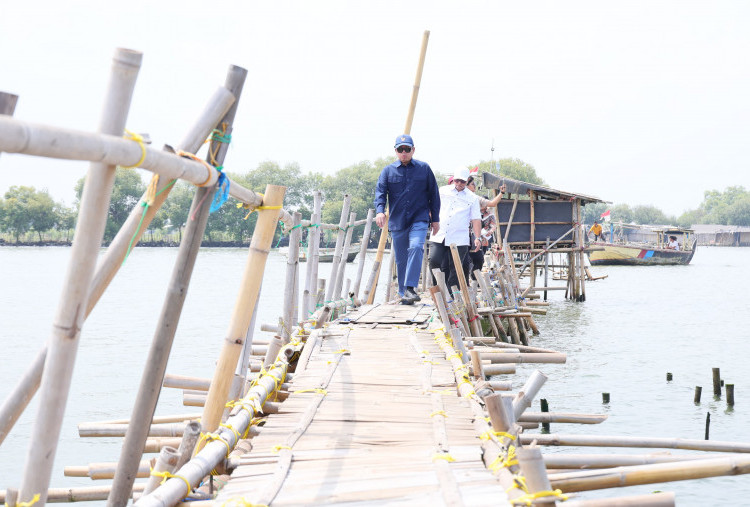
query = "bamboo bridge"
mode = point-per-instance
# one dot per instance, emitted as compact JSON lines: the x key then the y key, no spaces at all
{"x":349,"y":401}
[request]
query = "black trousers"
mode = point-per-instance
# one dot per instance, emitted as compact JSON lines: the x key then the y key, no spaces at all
{"x":440,"y":257}
{"x":474,"y":261}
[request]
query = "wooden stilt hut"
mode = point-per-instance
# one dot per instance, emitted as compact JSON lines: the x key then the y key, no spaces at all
{"x":535,"y":221}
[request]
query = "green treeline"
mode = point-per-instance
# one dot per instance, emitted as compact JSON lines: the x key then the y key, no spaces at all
{"x":28,"y":215}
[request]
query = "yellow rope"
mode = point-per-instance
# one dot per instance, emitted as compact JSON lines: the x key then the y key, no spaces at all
{"x":206,"y":437}
{"x":488,"y":435}
{"x":528,"y":499}
{"x":277,"y":448}
{"x":519,"y":482}
{"x":444,"y":456}
{"x":439,"y":412}
{"x":343,"y":351}
{"x":316,"y":390}
{"x":138,"y":139}
{"x":31,"y":502}
{"x":166,"y":475}
{"x":241,"y":502}
{"x":229,"y":427}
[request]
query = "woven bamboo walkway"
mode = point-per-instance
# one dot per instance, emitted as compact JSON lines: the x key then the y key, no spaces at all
{"x":373,"y":418}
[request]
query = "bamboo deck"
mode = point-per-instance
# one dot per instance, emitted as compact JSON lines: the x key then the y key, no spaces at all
{"x":388,"y":429}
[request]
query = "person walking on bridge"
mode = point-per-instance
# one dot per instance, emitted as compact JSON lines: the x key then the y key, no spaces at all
{"x":409,"y":188}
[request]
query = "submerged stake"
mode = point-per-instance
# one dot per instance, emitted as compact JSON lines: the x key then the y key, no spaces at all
{"x":605,"y":397}
{"x":708,"y":423}
{"x":669,"y":377}
{"x":717,"y":382}
{"x":697,"y":397}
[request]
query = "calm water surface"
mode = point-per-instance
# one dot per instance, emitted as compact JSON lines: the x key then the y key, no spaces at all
{"x":637,"y":324}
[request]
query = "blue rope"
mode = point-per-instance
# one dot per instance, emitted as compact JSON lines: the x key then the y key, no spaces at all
{"x":222,"y":193}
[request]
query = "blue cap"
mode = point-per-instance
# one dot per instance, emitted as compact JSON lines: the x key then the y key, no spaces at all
{"x":404,"y":140}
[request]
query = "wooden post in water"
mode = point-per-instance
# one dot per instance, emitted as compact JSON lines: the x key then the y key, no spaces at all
{"x":268,"y":217}
{"x":716,"y":373}
{"x":362,"y":255}
{"x":66,"y":329}
{"x":697,"y":395}
{"x":161,"y":344}
{"x":333,"y":279}
{"x":730,"y":394}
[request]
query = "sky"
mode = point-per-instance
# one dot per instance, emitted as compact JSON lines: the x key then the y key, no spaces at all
{"x":637,"y":102}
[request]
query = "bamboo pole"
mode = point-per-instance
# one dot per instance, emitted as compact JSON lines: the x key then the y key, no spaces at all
{"x":650,"y":474}
{"x":468,"y":302}
{"x":161,"y":344}
{"x":292,"y":261}
{"x":362,"y":255}
{"x":532,"y":230}
{"x":311,"y":271}
{"x":373,"y":282}
{"x":591,"y":461}
{"x":8,"y":103}
{"x":417,"y":82}
{"x":111,"y":261}
{"x":649,"y":500}
{"x":532,"y":466}
{"x":164,"y":463}
{"x":82,"y":494}
{"x":333,"y":279}
{"x":645,"y":442}
{"x":99,"y":471}
{"x":391,"y":264}
{"x":66,"y":329}
{"x":345,"y":255}
{"x":526,"y":395}
{"x":244,"y":306}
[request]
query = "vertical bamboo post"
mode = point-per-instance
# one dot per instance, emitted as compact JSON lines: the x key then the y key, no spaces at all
{"x":66,"y":329}
{"x":532,"y":230}
{"x":344,"y":255}
{"x":546,"y":267}
{"x":166,"y":462}
{"x":292,"y":260}
{"x":362,"y":255}
{"x":311,"y":273}
{"x":244,"y":306}
{"x":391,"y":264}
{"x":417,"y":82}
{"x":112,"y":259}
{"x":532,"y":466}
{"x":407,"y":130}
{"x":333,"y":279}
{"x":161,"y":344}
{"x":527,"y":393}
{"x":581,"y":267}
{"x":470,"y":309}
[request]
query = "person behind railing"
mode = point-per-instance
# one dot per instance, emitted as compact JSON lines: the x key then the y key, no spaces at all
{"x":411,"y":190}
{"x":475,"y":258}
{"x":459,"y":207}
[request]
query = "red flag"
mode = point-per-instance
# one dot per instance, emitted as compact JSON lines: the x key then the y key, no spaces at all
{"x":605,"y":214}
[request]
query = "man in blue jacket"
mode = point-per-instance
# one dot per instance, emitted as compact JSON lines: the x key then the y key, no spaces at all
{"x":413,"y":200}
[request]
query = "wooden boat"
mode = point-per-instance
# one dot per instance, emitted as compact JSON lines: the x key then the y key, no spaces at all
{"x":643,"y":245}
{"x":326,"y":254}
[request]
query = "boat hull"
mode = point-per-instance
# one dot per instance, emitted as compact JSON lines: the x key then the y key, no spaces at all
{"x":627,"y":255}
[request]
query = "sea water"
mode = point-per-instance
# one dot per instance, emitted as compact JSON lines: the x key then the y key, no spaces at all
{"x":636,"y":325}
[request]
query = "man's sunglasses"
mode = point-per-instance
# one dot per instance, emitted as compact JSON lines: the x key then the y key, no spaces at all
{"x":404,"y":149}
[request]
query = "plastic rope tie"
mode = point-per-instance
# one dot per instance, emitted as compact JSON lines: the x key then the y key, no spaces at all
{"x":31,"y":502}
{"x":229,"y":427}
{"x":167,"y":475}
{"x":528,"y":499}
{"x":277,"y":448}
{"x":474,"y":318}
{"x":195,"y":158}
{"x":138,"y":139}
{"x":151,"y":194}
{"x":222,"y":192}
{"x":207,"y":437}
{"x":439,"y":412}
{"x":444,"y":456}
